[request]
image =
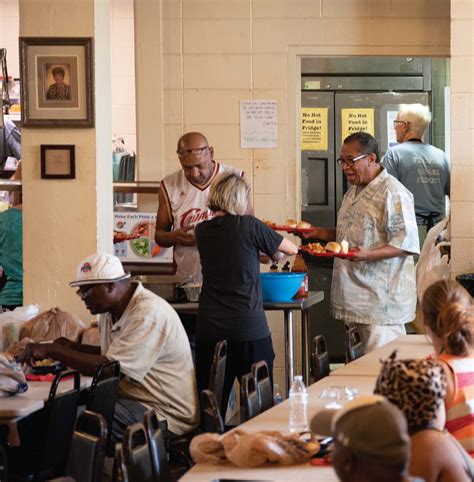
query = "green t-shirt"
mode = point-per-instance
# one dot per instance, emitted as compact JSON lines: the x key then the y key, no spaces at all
{"x":11,"y":256}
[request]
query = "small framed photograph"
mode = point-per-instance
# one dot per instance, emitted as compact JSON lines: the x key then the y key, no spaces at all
{"x":56,"y":82}
{"x":58,"y":162}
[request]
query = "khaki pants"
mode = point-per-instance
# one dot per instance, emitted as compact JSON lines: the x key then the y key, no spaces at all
{"x":375,"y":336}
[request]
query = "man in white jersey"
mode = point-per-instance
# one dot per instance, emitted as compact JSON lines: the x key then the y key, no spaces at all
{"x":183,"y":204}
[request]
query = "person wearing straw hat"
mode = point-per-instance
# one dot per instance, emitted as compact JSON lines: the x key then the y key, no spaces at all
{"x":141,"y":331}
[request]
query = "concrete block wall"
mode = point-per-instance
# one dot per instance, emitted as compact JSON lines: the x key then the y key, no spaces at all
{"x":462,"y":136}
{"x":123,"y":71}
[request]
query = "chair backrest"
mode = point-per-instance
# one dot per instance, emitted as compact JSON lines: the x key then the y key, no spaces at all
{"x":120,"y":472}
{"x":60,"y":409}
{"x":354,"y":347}
{"x":249,"y":400}
{"x":319,"y":358}
{"x":103,"y":392}
{"x":3,"y":465}
{"x":264,"y":384}
{"x":157,"y":447}
{"x":217,"y":374}
{"x":136,"y":454}
{"x":211,"y":420}
{"x":88,"y":444}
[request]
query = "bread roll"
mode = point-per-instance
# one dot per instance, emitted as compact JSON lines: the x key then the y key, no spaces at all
{"x":333,"y":247}
{"x":303,"y":225}
{"x":291,"y":223}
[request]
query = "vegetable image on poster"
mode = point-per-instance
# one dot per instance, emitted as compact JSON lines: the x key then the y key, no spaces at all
{"x":314,"y":129}
{"x":356,"y":120}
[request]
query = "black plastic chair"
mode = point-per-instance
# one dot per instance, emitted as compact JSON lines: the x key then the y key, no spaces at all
{"x":46,"y":435}
{"x":136,"y":454}
{"x":217,"y":374}
{"x":88,"y":444}
{"x":103,"y":392}
{"x":120,"y":472}
{"x":261,"y":375}
{"x":3,"y":465}
{"x":211,"y":420}
{"x":354,"y":346}
{"x":156,"y":443}
{"x":249,"y":400}
{"x":319,"y":358}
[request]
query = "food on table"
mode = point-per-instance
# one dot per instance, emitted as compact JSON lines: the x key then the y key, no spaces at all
{"x":46,"y":362}
{"x":291,"y":223}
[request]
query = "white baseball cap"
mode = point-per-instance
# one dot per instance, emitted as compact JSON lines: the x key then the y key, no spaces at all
{"x":99,"y":268}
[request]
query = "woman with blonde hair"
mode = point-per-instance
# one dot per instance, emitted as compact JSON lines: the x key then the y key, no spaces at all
{"x":231,"y":306}
{"x":449,"y":322}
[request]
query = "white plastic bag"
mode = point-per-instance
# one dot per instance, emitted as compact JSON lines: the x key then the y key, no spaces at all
{"x":12,"y":378}
{"x":11,"y":321}
{"x":432,"y":265}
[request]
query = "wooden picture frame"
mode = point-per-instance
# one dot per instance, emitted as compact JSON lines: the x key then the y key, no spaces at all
{"x":57,"y":88}
{"x":58,"y":162}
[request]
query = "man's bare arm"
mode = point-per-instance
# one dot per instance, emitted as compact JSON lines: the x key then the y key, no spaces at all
{"x":83,"y":362}
{"x":91,"y":349}
{"x":163,"y":234}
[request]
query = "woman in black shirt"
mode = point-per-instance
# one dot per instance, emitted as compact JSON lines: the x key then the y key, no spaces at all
{"x":231,"y":307}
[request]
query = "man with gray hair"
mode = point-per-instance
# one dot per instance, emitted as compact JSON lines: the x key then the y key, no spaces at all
{"x":422,"y":168}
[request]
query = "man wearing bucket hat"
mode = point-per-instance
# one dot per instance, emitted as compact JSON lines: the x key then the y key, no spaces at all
{"x":371,"y":441}
{"x":141,"y":331}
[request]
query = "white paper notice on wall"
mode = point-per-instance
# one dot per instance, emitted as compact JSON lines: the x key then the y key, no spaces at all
{"x":258,"y":124}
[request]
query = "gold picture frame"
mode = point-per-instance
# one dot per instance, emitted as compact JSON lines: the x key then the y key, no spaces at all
{"x":57,"y":88}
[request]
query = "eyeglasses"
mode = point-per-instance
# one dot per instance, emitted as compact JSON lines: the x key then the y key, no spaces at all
{"x":350,"y":162}
{"x":197,"y":151}
{"x":395,"y":122}
{"x":84,"y":291}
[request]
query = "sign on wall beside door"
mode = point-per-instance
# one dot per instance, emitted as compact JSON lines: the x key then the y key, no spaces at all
{"x":258,"y":124}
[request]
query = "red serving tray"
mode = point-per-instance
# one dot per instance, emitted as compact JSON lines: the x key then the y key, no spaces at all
{"x":350,"y":254}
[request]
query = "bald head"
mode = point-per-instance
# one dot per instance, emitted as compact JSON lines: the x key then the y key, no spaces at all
{"x":191,"y":139}
{"x":196,"y":158}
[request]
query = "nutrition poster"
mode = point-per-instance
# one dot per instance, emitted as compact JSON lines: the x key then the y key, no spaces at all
{"x":258,"y":124}
{"x":134,"y":235}
{"x":355,"y":120}
{"x":314,"y":129}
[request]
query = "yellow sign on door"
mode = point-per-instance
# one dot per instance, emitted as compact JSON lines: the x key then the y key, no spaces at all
{"x":314,"y":129}
{"x":356,"y":120}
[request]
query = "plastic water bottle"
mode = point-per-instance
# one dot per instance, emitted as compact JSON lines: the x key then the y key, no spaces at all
{"x":299,"y":404}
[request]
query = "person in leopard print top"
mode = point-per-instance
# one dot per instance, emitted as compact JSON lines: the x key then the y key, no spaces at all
{"x":418,"y":389}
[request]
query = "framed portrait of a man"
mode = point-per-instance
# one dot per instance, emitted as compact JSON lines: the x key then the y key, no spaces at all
{"x":56,"y":82}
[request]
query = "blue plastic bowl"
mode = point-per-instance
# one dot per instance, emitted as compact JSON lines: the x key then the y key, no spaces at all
{"x":280,"y":286}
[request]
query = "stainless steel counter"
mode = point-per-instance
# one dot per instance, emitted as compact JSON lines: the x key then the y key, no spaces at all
{"x":288,"y":308}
